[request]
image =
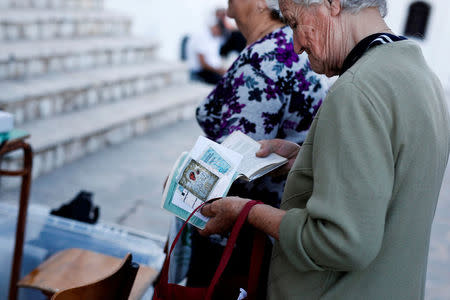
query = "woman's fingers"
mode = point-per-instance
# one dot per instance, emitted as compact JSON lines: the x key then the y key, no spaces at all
{"x":283,"y":148}
{"x":266,"y":148}
{"x":222,"y":214}
{"x":286,"y":149}
{"x":207,"y":210}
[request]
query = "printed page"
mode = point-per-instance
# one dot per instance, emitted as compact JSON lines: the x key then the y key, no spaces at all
{"x":251,"y":166}
{"x":205,"y":173}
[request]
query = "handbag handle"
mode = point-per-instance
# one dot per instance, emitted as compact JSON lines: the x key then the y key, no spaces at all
{"x":165,"y":270}
{"x":230,"y":245}
{"x":226,"y":254}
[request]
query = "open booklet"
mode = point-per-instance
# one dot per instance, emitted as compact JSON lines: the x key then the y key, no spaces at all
{"x":208,"y":171}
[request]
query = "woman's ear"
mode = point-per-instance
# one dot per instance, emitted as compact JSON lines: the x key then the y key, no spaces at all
{"x":335,"y":7}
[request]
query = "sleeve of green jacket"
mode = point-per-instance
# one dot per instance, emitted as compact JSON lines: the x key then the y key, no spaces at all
{"x":342,"y":226}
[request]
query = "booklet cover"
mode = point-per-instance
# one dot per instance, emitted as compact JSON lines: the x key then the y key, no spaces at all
{"x":209,"y":170}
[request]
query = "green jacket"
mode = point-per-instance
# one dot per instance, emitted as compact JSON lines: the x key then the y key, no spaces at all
{"x":361,"y":196}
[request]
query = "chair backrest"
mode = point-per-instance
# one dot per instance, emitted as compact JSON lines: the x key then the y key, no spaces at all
{"x":116,"y":286}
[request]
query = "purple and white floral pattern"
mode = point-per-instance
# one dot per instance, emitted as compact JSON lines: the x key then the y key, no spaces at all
{"x":269,"y":92}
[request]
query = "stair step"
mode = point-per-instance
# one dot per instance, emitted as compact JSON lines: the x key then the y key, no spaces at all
{"x":25,"y":59}
{"x":54,"y":94}
{"x":38,"y":24}
{"x":52,"y":4}
{"x":63,"y":139}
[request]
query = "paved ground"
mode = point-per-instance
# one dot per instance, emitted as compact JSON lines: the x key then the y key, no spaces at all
{"x":127,"y":182}
{"x":126,"y":179}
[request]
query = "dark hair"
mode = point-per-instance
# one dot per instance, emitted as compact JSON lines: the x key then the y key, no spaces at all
{"x":277,"y":16}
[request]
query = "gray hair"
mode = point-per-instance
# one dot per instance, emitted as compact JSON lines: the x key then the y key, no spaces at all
{"x":353,"y":6}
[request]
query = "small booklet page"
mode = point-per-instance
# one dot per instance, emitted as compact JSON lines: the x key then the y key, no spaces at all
{"x":209,"y":170}
{"x":251,"y":167}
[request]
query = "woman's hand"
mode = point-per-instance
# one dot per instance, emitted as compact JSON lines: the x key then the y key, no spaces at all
{"x":223,"y":213}
{"x":283,"y":148}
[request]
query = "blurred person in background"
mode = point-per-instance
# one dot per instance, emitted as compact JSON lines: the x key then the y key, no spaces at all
{"x":268,"y":92}
{"x":234,"y":40}
{"x":203,"y":53}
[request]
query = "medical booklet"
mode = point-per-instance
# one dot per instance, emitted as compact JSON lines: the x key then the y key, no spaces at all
{"x":208,"y":171}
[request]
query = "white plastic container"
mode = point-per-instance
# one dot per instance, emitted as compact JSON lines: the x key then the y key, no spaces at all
{"x":46,"y":234}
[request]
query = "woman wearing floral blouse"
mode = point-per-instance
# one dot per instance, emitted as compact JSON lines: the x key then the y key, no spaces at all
{"x":269,"y":92}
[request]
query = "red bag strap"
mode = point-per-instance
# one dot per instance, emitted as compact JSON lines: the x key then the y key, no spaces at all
{"x":163,"y":283}
{"x":165,"y":271}
{"x":230,"y":245}
{"x":256,"y":260}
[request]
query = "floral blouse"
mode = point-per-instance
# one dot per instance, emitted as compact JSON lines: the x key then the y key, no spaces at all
{"x":268,"y":92}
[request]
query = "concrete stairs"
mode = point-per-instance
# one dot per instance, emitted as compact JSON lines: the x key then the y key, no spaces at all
{"x":55,"y":4}
{"x":36,"y":24}
{"x":77,"y":81}
{"x":25,"y":59}
{"x":51,"y":95}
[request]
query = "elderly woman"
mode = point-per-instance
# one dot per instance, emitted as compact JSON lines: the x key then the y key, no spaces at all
{"x":358,"y":205}
{"x":269,"y":92}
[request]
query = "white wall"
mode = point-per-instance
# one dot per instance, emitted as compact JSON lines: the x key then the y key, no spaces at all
{"x":436,"y":45}
{"x":166,"y":20}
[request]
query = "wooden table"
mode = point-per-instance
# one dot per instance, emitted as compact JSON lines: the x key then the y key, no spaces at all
{"x":18,"y":143}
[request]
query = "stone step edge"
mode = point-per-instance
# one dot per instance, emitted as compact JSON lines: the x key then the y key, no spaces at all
{"x":62,"y":83}
{"x":21,"y":16}
{"x":149,"y":105}
{"x":86,"y":97}
{"x":47,"y":24}
{"x":24,"y":50}
{"x":98,"y":4}
{"x":20,"y":66}
{"x":53,"y":154}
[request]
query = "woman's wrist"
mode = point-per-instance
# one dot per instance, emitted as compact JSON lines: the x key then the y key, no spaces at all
{"x":266,"y":218}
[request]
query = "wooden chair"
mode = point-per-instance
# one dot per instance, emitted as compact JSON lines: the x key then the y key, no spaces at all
{"x":116,"y":286}
{"x":75,"y":271}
